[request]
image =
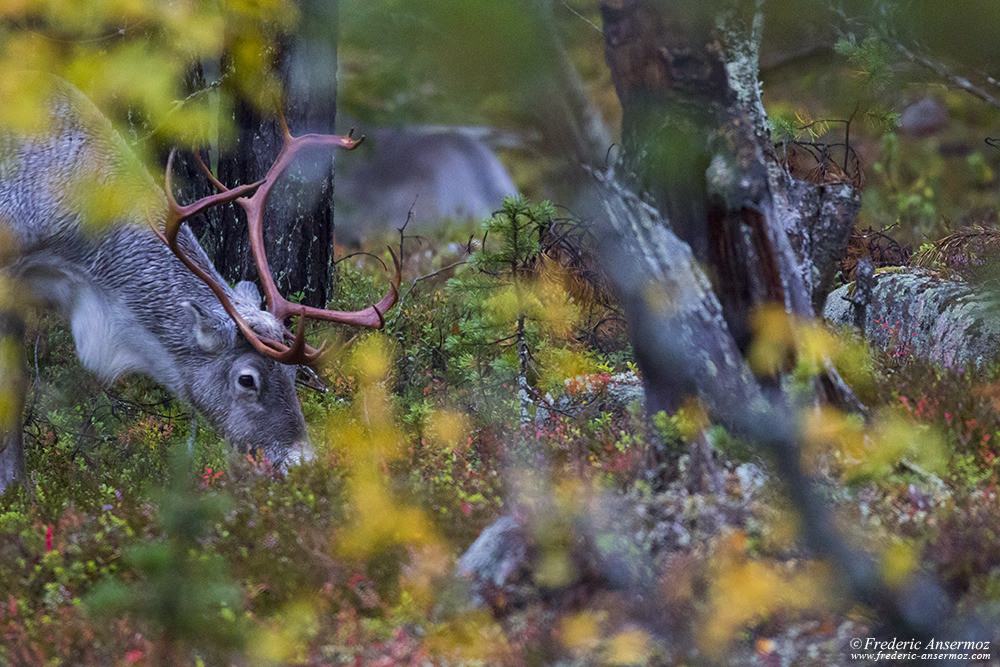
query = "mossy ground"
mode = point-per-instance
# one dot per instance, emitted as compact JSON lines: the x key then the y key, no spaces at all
{"x":125,"y":549}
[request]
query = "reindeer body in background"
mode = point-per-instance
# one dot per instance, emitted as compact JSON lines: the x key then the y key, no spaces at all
{"x":139,"y":293}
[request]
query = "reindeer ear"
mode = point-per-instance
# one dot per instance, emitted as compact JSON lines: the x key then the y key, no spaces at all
{"x":248,"y":293}
{"x":207,"y":327}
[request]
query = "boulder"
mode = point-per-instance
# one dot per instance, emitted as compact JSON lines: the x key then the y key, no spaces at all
{"x":919,"y":312}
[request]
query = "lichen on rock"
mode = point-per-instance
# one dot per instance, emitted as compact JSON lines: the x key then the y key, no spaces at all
{"x":917,"y":312}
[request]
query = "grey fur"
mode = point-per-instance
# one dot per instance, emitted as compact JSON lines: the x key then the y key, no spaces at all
{"x":132,"y":305}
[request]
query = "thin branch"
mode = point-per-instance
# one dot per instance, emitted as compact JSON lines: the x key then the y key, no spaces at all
{"x":777,"y":60}
{"x":581,"y":17}
{"x":362,"y":253}
{"x":177,"y":104}
{"x":307,"y":377}
{"x":942,"y":71}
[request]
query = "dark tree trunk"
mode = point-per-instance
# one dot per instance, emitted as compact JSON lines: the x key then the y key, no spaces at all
{"x":669,"y":305}
{"x":684,"y":347}
{"x":299,"y":222}
{"x":697,"y":141}
{"x":672,"y":86}
{"x":565,"y":114}
{"x":753,"y":223}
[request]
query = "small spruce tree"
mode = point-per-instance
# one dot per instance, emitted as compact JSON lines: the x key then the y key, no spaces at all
{"x":504,"y":309}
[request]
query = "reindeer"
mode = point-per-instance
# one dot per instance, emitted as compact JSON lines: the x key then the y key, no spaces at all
{"x":140,"y":294}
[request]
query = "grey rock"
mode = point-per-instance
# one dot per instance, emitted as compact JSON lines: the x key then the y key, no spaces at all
{"x":619,"y":393}
{"x":429,"y":173}
{"x":923,"y":118}
{"x":499,"y":560}
{"x":505,"y":567}
{"x":919,"y":312}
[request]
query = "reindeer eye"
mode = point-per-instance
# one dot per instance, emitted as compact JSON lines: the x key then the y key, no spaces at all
{"x":247,"y":381}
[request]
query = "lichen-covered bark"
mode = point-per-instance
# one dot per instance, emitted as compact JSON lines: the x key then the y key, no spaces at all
{"x":808,"y":224}
{"x":666,"y":295}
{"x":698,"y":141}
{"x":672,"y":86}
{"x":682,"y":341}
{"x":918,"y":312}
{"x":819,"y":219}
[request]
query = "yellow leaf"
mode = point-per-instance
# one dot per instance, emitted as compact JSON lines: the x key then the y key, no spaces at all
{"x":555,"y":569}
{"x":284,"y":638}
{"x":745,"y":592}
{"x":447,"y":428}
{"x":628,"y":648}
{"x":581,"y":633}
{"x":827,"y":430}
{"x":898,"y":563}
{"x":10,"y":383}
{"x":774,"y":339}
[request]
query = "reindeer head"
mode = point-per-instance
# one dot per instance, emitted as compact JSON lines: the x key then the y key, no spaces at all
{"x":258,"y":408}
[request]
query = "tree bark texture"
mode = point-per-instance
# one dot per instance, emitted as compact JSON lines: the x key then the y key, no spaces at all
{"x":299,"y":221}
{"x":918,"y":312}
{"x":684,"y":348}
{"x":568,"y":118}
{"x":697,"y":141}
{"x":669,"y":304}
{"x":748,"y":227}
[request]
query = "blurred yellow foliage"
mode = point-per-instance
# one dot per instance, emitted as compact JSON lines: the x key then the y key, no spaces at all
{"x":692,"y":419}
{"x":895,"y":437}
{"x":561,"y":313}
{"x":556,"y":364}
{"x":584,"y":634}
{"x":284,"y":638}
{"x":628,"y":648}
{"x":11,"y":351}
{"x":430,"y":565}
{"x":873,"y":450}
{"x":826,"y":430}
{"x":474,"y":637}
{"x":131,"y":57}
{"x":863,"y":450}
{"x":447,"y":428}
{"x":782,"y":528}
{"x":555,"y":569}
{"x":783,"y":342}
{"x":24,"y":96}
{"x":898,"y":562}
{"x":10,"y":384}
{"x":746,"y":592}
{"x":581,"y":632}
{"x":542,"y":299}
{"x":780,"y":338}
{"x":369,"y":442}
{"x":556,"y":515}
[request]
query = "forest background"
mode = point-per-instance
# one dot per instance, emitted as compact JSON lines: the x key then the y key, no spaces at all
{"x":622,"y":377}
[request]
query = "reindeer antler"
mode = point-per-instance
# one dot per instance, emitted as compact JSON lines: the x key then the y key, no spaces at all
{"x":296,"y":352}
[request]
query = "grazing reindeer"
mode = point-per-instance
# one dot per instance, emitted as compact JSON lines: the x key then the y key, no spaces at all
{"x":140,"y":294}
